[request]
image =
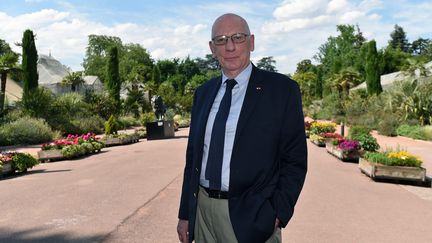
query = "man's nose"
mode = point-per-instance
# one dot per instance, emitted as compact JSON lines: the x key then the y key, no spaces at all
{"x":230,"y":46}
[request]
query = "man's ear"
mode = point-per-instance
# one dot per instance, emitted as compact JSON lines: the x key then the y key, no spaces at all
{"x":252,"y":42}
{"x":211,"y":49}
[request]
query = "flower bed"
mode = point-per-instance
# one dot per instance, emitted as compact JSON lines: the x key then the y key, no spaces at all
{"x":317,"y":140}
{"x":345,"y":150}
{"x":399,"y":165}
{"x":70,"y":147}
{"x":11,"y":161}
{"x":322,"y":127}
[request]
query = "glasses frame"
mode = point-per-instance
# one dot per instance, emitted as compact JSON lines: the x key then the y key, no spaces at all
{"x":226,"y":38}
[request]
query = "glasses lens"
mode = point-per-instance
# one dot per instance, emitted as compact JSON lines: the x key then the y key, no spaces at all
{"x":238,"y":38}
{"x":220,"y":40}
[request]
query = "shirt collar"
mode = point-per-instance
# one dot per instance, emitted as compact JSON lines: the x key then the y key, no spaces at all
{"x":242,"y":78}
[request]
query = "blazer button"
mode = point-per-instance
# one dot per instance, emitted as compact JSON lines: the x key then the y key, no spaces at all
{"x":196,"y":169}
{"x":194,"y":194}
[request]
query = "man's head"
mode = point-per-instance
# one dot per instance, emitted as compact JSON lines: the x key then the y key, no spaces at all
{"x":231,"y":43}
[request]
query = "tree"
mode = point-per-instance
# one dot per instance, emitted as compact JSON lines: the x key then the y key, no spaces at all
{"x":188,"y":68}
{"x":167,"y":68}
{"x":74,"y":79}
{"x":8,"y":64}
{"x":340,"y":52}
{"x":304,"y":66}
{"x":113,"y":76}
{"x":156,"y":75}
{"x":372,"y":69}
{"x":420,"y":46}
{"x":97,"y":53}
{"x":398,"y":39}
{"x":210,"y":63}
{"x":346,"y":79}
{"x":29,"y":62}
{"x":267,"y":63}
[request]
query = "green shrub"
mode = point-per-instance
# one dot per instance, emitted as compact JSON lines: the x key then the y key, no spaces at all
{"x":25,"y":130}
{"x":23,"y":161}
{"x":87,"y":147}
{"x":72,"y":151}
{"x":128,"y":121}
{"x":356,"y":131}
{"x":427,"y":131}
{"x":147,"y":117}
{"x":111,"y":126}
{"x":92,"y":124}
{"x":367,"y":142}
{"x":415,"y":131}
{"x":388,"y":126}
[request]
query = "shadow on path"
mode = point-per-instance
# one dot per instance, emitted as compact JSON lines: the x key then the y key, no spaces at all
{"x":8,"y":235}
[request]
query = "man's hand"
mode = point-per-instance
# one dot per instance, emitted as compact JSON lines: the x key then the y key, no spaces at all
{"x":183,"y":230}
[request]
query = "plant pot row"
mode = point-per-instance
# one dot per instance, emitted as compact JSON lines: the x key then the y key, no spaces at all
{"x":115,"y":141}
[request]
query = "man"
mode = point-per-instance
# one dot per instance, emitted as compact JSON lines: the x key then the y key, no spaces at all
{"x":246,"y":157}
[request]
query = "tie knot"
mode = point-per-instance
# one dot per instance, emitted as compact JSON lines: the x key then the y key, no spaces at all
{"x":230,"y":83}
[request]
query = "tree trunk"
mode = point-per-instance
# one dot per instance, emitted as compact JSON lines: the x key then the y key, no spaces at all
{"x":2,"y":92}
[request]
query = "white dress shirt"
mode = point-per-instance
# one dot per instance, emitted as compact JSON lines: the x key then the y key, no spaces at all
{"x":238,"y":95}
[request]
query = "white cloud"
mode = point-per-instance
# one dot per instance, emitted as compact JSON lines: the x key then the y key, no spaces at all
{"x":337,"y":6}
{"x":66,"y":36}
{"x":290,"y":9}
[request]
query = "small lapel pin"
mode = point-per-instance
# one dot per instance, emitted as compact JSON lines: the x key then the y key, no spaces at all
{"x":258,"y":88}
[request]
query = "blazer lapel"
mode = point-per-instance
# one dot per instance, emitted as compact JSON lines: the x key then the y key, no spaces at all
{"x":208,"y":102}
{"x":253,"y":94}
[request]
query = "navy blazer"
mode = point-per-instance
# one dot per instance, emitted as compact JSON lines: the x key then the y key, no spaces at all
{"x":269,"y":157}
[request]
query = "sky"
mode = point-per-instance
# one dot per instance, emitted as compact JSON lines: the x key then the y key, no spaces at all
{"x":289,"y":30}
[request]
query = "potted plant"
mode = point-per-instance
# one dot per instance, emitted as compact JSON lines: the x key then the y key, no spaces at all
{"x":317,"y":140}
{"x":395,"y":165}
{"x":15,"y":161}
{"x":345,"y":150}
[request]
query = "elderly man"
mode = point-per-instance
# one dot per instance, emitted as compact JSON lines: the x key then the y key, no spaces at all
{"x":246,"y":158}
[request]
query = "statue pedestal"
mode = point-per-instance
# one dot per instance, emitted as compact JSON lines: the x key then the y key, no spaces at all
{"x":160,"y":130}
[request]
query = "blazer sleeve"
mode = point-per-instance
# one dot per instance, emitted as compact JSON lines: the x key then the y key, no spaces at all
{"x":184,"y":201}
{"x":293,"y":157}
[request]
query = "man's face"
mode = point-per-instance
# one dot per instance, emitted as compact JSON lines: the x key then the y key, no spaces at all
{"x":233,"y":57}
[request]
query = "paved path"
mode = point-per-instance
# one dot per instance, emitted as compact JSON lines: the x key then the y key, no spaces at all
{"x":131,"y":194}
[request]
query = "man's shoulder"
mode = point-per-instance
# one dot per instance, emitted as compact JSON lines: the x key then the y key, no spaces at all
{"x":276,"y":78}
{"x":209,"y":83}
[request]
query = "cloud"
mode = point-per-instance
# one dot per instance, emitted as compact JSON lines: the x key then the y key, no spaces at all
{"x":66,"y":35}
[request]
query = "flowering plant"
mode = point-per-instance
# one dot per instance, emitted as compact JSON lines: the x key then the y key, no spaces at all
{"x":70,"y":140}
{"x":323,"y":127}
{"x":308,"y":124}
{"x":331,"y":135}
{"x":348,"y":146}
{"x":6,"y":157}
{"x":317,"y":138}
{"x":394,"y":158}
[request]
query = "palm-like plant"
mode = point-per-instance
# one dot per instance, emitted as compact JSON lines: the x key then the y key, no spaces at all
{"x":345,"y":79}
{"x":74,"y":79}
{"x":8,"y":64}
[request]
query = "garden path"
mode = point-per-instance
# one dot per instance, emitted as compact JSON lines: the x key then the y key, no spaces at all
{"x":131,"y":194}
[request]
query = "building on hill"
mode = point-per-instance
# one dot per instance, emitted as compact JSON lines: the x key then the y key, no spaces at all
{"x":51,"y":73}
{"x":387,"y":80}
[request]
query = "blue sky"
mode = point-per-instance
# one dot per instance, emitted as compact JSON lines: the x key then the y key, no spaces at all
{"x":290,"y":30}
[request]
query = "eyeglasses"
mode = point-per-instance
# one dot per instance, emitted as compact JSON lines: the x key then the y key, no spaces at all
{"x":236,"y":38}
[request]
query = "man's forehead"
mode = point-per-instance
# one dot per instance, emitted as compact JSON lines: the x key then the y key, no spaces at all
{"x":228,"y":26}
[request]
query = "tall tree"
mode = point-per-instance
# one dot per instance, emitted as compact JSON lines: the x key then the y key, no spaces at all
{"x":267,"y":63}
{"x":29,"y":62}
{"x":113,"y":76}
{"x":398,"y":39}
{"x":156,"y":75}
{"x":372,"y":69}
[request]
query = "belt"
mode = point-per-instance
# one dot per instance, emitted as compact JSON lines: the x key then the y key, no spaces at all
{"x":216,"y":193}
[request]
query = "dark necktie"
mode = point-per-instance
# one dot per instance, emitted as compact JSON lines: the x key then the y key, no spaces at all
{"x":213,"y":171}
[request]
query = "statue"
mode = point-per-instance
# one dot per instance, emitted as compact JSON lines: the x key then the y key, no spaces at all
{"x":159,"y":108}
